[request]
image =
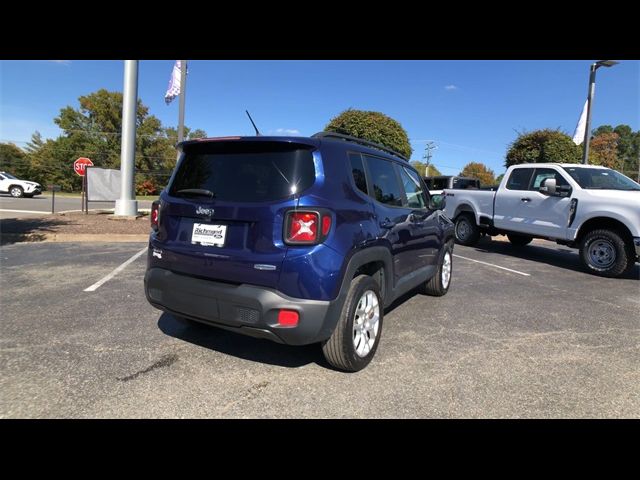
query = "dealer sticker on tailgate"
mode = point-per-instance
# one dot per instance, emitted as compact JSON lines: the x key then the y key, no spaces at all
{"x":205,"y":234}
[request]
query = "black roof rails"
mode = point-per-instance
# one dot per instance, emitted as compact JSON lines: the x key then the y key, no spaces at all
{"x":366,"y":143}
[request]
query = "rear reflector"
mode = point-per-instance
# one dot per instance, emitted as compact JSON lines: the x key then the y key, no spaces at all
{"x":326,"y":225}
{"x":288,"y":318}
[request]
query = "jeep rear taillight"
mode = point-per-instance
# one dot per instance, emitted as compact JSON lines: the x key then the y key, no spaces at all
{"x":304,"y":227}
{"x":155,"y":214}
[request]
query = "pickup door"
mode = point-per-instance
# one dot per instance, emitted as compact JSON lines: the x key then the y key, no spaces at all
{"x":520,"y":207}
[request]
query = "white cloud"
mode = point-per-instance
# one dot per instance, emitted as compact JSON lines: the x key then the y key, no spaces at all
{"x":287,"y":131}
{"x":450,"y":88}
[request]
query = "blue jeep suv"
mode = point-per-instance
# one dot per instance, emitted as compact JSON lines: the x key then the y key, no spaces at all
{"x":296,"y":240}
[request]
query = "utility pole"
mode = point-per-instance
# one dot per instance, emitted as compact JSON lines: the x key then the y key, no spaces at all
{"x":127,"y":205}
{"x":427,"y":154}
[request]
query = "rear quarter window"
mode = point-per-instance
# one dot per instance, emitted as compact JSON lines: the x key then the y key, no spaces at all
{"x":519,"y":179}
{"x":386,"y":187}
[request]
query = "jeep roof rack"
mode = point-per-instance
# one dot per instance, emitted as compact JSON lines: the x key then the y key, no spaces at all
{"x":366,"y":143}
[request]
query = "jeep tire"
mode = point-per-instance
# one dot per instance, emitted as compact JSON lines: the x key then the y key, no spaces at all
{"x":438,"y":285}
{"x":355,"y":339}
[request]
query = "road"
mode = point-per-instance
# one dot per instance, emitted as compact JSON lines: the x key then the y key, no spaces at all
{"x":521,"y":335}
{"x":10,"y":207}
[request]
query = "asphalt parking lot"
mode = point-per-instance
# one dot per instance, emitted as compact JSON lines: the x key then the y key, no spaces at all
{"x":526,"y":334}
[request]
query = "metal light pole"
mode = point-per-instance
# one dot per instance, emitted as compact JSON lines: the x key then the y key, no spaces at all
{"x":127,"y":205}
{"x":592,"y":87}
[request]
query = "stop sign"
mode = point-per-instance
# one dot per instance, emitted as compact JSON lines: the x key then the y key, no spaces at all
{"x":80,"y":164}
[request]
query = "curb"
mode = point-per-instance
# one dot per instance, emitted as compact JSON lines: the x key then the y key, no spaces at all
{"x":71,"y":237}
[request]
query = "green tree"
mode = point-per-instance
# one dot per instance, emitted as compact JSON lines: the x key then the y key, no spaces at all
{"x":35,"y":144}
{"x":604,"y":151}
{"x":14,"y":161}
{"x":479,"y":171}
{"x":93,"y":129}
{"x":542,"y":146}
{"x":422,"y":168}
{"x":628,"y":147}
{"x":373,"y":126}
{"x":499,"y":179}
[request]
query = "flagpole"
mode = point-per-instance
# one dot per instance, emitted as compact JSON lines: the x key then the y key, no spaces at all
{"x":127,"y":204}
{"x":183,"y":89}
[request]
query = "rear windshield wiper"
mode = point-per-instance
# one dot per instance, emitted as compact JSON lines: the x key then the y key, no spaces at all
{"x":198,"y":192}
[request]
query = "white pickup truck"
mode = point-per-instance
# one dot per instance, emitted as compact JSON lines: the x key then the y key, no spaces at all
{"x":592,"y":208}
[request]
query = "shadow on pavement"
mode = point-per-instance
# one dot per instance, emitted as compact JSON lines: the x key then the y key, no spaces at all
{"x":553,"y":254}
{"x":241,"y":346}
{"x":13,"y":230}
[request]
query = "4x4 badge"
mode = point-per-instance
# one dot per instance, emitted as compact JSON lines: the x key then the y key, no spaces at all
{"x":205,"y":211}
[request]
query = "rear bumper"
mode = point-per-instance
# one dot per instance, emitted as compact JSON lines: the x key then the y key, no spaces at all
{"x":246,"y":309}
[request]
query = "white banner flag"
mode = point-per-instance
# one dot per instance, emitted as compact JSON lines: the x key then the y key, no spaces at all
{"x":174,"y":83}
{"x":578,"y":135}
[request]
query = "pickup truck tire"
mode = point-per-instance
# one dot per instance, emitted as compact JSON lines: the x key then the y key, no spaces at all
{"x":438,"y":285}
{"x":467,"y":232}
{"x":604,"y":253}
{"x":519,"y":240}
{"x":355,"y":339}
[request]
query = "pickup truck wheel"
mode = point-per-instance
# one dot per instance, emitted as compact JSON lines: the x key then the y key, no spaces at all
{"x":355,"y":339}
{"x":604,"y":253}
{"x":467,"y":232}
{"x":16,"y":191}
{"x":519,"y":240}
{"x":438,"y":285}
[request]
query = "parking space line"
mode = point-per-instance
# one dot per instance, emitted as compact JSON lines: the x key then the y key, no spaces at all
{"x":492,"y":265}
{"x":103,"y":280}
{"x":24,"y":211}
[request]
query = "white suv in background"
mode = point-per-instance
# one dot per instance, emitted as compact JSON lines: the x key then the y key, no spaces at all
{"x":18,"y":188}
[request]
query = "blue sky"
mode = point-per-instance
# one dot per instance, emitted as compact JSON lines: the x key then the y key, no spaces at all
{"x":471,"y":109}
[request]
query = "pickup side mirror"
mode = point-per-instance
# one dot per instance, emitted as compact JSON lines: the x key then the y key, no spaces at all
{"x":548,"y":186}
{"x":437,"y":202}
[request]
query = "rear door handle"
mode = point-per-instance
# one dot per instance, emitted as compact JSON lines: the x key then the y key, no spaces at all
{"x":386,"y":223}
{"x":525,"y":199}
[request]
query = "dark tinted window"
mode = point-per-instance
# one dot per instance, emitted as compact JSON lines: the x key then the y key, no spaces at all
{"x":245,"y":171}
{"x":357,"y":170}
{"x":440,"y":183}
{"x":519,"y":179}
{"x":386,"y":188}
{"x":544,"y":173}
{"x":464,"y":183}
{"x":413,"y":189}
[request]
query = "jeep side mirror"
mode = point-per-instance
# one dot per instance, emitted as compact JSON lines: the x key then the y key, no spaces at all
{"x":548,"y":186}
{"x":437,"y":202}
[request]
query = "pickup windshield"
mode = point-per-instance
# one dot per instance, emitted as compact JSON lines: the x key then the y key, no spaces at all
{"x":601,"y":179}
